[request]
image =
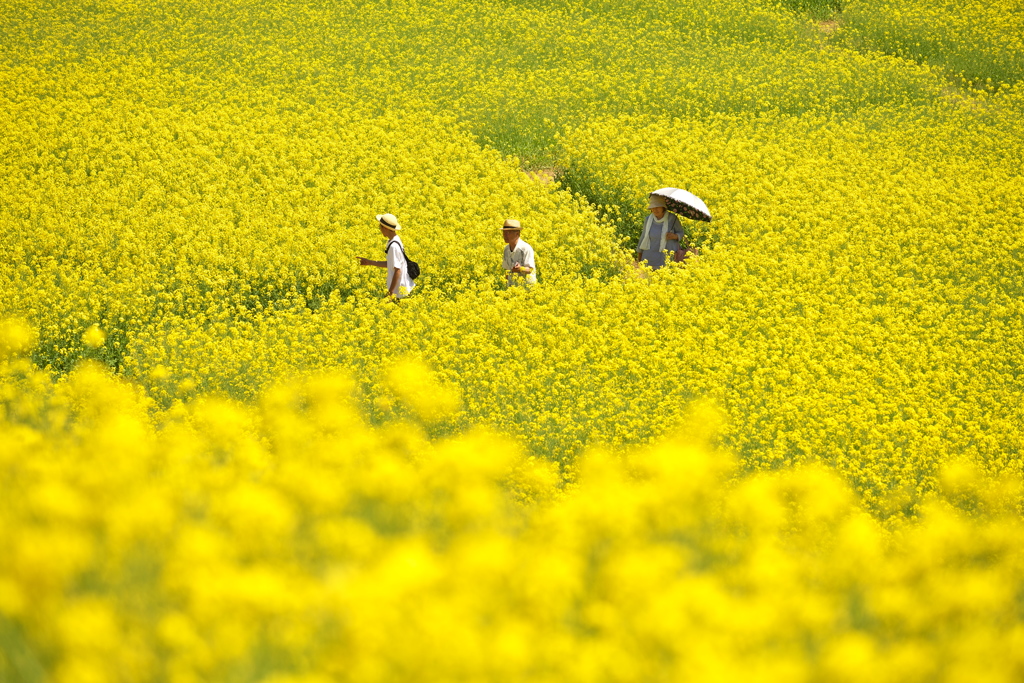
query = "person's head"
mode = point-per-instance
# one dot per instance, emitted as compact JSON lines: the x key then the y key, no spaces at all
{"x":657,"y":206}
{"x":510,"y":231}
{"x":388,"y":224}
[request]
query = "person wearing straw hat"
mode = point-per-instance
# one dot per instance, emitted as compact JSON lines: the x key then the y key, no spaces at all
{"x":398,"y":282}
{"x":518,"y":259}
{"x":662,"y":231}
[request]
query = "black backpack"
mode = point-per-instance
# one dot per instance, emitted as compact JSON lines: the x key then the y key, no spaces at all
{"x":414,"y":268}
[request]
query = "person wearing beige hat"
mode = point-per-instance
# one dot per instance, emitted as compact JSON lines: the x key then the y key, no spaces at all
{"x":399,"y":282}
{"x":518,"y":259}
{"x":662,"y":231}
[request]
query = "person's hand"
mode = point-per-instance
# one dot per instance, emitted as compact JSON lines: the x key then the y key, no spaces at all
{"x":364,"y":261}
{"x":671,"y":236}
{"x":515,"y":268}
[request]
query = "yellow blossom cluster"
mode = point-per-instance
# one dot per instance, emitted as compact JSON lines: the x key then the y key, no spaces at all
{"x":980,"y":41}
{"x":287,"y":540}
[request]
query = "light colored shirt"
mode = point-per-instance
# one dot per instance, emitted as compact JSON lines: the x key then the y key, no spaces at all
{"x":522,"y":255}
{"x":653,"y":242}
{"x":396,"y":260}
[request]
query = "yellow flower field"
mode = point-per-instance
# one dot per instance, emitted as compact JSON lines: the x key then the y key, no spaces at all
{"x":979,"y":41}
{"x":288,"y":541}
{"x":225,"y":456}
{"x":871,"y":281}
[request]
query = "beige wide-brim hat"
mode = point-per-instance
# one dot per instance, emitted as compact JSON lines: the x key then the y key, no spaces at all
{"x":656,"y":202}
{"x":388,"y":220}
{"x":511,"y":224}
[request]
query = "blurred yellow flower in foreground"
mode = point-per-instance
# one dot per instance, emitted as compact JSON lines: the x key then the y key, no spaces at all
{"x":94,"y":337}
{"x":201,"y":539}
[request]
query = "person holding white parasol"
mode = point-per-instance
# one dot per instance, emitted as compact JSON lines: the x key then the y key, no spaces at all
{"x":662,"y":231}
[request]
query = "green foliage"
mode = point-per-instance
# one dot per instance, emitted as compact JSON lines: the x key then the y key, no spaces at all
{"x":816,"y":9}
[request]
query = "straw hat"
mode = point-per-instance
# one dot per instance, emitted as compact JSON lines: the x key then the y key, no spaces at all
{"x":656,"y":202}
{"x":511,"y":224}
{"x":388,"y":220}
